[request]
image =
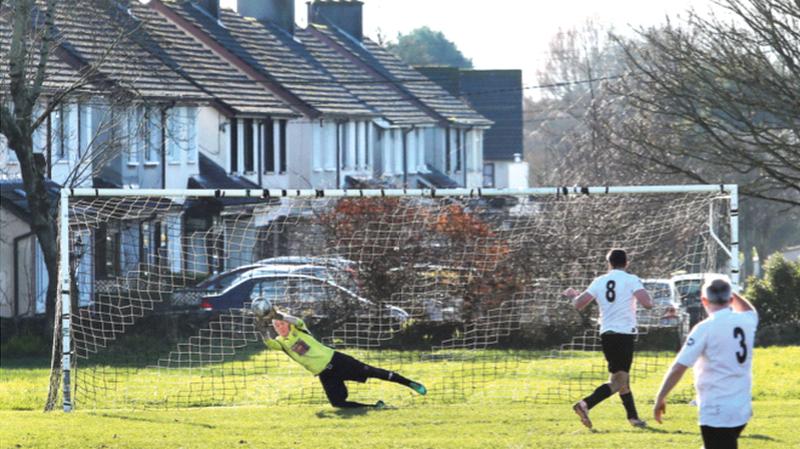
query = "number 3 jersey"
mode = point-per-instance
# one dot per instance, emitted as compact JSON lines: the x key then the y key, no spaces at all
{"x":721,"y":350}
{"x":614,"y":294}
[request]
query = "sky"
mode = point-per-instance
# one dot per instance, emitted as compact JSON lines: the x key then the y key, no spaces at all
{"x":506,"y":34}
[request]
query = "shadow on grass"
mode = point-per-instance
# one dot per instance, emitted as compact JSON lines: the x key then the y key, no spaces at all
{"x":759,"y":437}
{"x":347,"y":413}
{"x":152,"y":420}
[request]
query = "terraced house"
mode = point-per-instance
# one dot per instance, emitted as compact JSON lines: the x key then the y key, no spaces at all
{"x":185,"y":94}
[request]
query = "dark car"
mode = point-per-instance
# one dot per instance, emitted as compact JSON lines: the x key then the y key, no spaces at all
{"x":342,"y":271}
{"x":299,"y":293}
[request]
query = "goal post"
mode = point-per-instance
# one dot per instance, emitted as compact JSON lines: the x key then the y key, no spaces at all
{"x":463,"y":240}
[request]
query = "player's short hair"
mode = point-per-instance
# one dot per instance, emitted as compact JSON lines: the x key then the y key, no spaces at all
{"x":717,"y":290}
{"x":617,"y":258}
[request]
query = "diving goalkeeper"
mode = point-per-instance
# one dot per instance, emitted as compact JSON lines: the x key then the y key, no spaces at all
{"x":332,"y":367}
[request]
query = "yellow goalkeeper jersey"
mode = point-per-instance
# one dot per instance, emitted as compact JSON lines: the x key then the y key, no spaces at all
{"x":303,"y":348}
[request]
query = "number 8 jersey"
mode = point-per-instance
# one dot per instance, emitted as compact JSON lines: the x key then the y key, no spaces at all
{"x":613,"y":292}
{"x":721,"y":350}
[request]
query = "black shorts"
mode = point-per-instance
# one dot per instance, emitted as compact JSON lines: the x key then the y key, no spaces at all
{"x":344,"y":367}
{"x":721,"y":437}
{"x":618,"y":349}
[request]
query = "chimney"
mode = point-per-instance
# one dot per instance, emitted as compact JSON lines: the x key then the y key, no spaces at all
{"x":278,"y":12}
{"x":209,"y":6}
{"x":346,"y":15}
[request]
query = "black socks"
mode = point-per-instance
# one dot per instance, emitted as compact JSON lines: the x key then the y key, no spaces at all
{"x":630,"y":407}
{"x":600,"y":394}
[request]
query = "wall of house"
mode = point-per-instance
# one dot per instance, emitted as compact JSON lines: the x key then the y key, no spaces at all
{"x":465,"y":151}
{"x":510,"y":174}
{"x":182,"y":146}
{"x":9,"y":167}
{"x":14,"y":227}
{"x":307,"y":141}
{"x":355,"y":158}
{"x":403,"y":151}
{"x":213,"y":136}
{"x":474,"y":158}
{"x":71,"y":129}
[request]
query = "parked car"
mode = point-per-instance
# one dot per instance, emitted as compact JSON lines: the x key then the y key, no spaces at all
{"x":297,"y":292}
{"x":343,"y":271}
{"x":667,"y":308}
{"x":688,"y":288}
{"x":221,"y":281}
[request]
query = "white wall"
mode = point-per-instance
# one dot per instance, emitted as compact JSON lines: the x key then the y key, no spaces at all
{"x":182,"y":157}
{"x":510,"y":175}
{"x":9,"y":167}
{"x":213,"y":136}
{"x":14,"y":227}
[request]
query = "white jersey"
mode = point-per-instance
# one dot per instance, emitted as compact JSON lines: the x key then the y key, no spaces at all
{"x":721,"y":350}
{"x":613,"y":292}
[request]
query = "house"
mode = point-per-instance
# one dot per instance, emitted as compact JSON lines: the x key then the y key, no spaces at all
{"x":184,"y":94}
{"x":366,"y":122}
{"x":497,"y":95}
{"x":454,"y":146}
{"x":323,"y":146}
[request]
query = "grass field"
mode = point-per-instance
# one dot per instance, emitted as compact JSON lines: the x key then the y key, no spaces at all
{"x":482,"y":420}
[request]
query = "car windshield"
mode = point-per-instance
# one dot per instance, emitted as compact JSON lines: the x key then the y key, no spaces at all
{"x":272,"y":289}
{"x":660,"y":292}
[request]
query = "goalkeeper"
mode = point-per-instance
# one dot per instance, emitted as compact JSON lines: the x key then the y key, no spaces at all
{"x":332,"y":367}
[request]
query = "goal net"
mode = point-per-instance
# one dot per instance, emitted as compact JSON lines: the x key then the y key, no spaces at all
{"x":460,"y":289}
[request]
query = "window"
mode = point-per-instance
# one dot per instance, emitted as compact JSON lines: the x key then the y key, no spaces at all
{"x":283,"y":145}
{"x":341,"y":131}
{"x":234,"y":146}
{"x":459,"y":141}
{"x":271,"y":289}
{"x":85,"y":131}
{"x":60,"y":121}
{"x":152,"y":134}
{"x":359,"y":144}
{"x":447,"y":150}
{"x":248,"y":145}
{"x":330,"y":145}
{"x":269,"y":146}
{"x":107,"y":251}
{"x":367,"y":144}
{"x":191,"y":134}
{"x":134,"y":118}
{"x":317,"y":138}
{"x":172,"y":133}
{"x":488,"y":174}
{"x":181,"y":134}
{"x":6,"y":153}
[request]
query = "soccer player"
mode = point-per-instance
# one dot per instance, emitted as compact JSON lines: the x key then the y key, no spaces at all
{"x":332,"y":367}
{"x":721,"y":350}
{"x":617,"y":293}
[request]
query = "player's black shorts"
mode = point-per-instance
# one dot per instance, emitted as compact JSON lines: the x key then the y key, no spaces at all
{"x":618,"y":349}
{"x":344,"y":367}
{"x":721,"y":437}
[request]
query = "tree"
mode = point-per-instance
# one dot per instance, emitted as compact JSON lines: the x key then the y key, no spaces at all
{"x":42,"y":75}
{"x":777,"y":295}
{"x":560,"y":141}
{"x":623,"y":126}
{"x":716,"y":99}
{"x":424,"y":46}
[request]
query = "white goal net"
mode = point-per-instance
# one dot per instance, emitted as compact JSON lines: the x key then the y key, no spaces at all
{"x":460,"y":289}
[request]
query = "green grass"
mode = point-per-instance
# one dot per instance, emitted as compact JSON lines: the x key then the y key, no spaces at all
{"x":489,"y":418}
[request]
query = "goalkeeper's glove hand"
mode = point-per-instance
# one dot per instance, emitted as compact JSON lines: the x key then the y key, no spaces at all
{"x":274,"y":314}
